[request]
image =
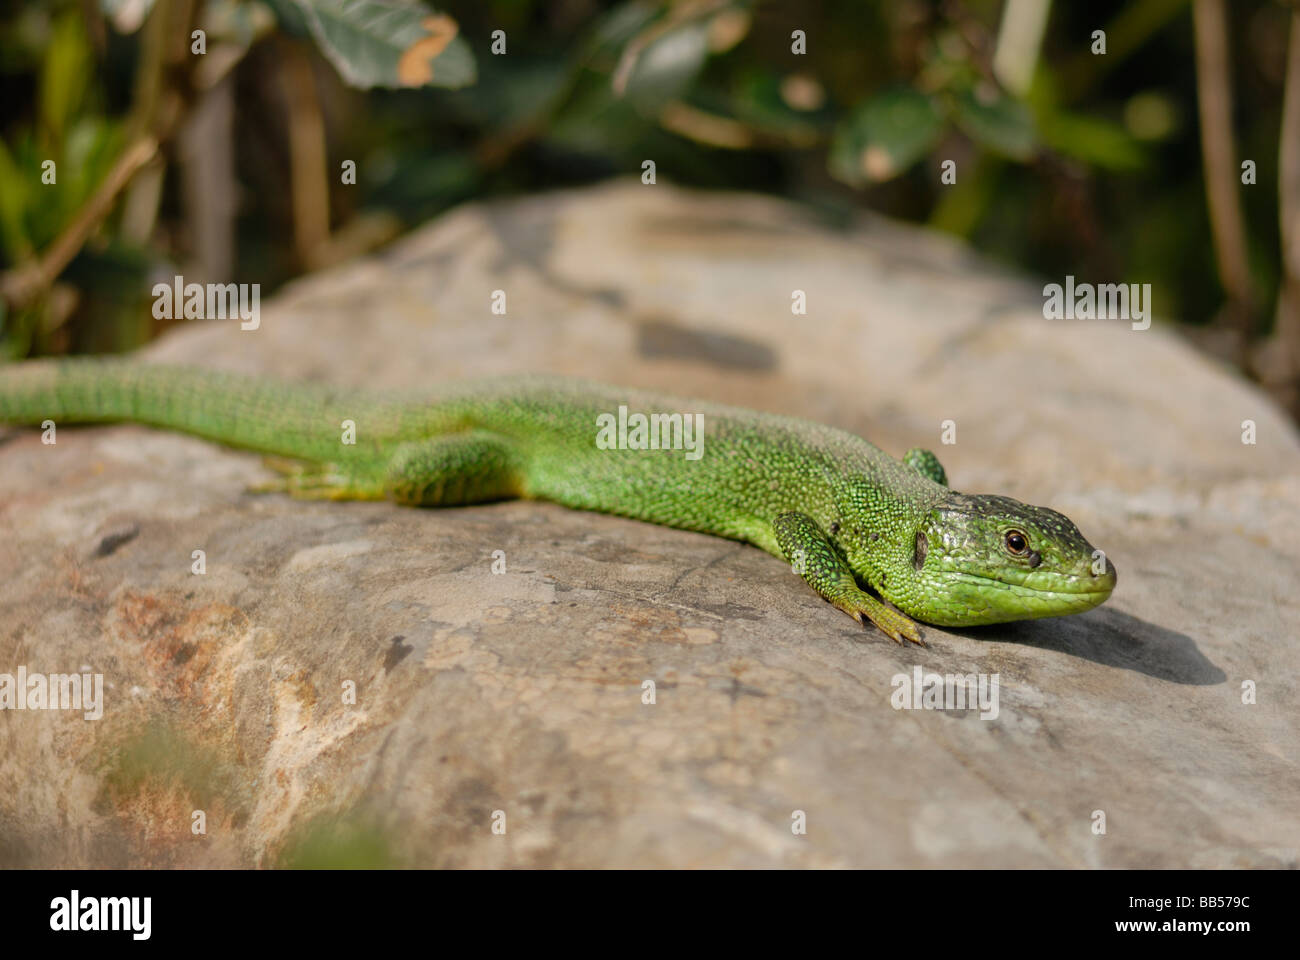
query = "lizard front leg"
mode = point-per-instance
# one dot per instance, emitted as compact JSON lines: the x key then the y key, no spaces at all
{"x":815,"y":559}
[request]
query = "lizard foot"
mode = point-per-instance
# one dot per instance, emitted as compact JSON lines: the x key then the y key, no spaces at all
{"x":895,"y":625}
{"x":309,"y":481}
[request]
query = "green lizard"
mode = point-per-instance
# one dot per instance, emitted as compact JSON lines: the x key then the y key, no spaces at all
{"x":841,"y":511}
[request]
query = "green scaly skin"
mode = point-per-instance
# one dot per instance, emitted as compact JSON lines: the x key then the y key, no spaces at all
{"x":842,"y":512}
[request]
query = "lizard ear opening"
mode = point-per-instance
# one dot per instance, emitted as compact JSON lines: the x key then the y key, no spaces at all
{"x":922,"y":548}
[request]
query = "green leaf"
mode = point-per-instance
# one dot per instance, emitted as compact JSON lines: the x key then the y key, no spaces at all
{"x":665,"y":69}
{"x":884,"y":136}
{"x":65,"y":74}
{"x":93,"y":146}
{"x":289,"y":17}
{"x":239,"y":22}
{"x":595,"y":122}
{"x":758,"y":100}
{"x":998,"y":122}
{"x":13,"y":209}
{"x":1094,"y":141}
{"x":389,"y":43}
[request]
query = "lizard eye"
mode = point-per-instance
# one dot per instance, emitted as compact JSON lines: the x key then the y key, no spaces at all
{"x":1016,"y":542}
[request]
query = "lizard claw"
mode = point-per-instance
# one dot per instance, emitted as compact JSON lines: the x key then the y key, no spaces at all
{"x":896,"y":627}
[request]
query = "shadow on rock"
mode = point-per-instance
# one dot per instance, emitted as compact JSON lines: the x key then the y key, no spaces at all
{"x":1115,"y":639}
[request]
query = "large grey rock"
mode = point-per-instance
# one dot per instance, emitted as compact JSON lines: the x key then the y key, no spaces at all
{"x":522,"y":692}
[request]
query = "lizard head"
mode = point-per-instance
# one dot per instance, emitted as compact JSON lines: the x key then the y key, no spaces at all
{"x":989,"y":559}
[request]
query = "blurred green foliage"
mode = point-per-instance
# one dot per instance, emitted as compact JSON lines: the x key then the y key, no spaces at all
{"x":1094,"y":168}
{"x":350,"y":841}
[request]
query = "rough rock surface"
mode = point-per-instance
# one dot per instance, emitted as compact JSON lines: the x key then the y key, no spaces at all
{"x":522,"y":692}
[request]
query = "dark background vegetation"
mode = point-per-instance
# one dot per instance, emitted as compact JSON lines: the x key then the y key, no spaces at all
{"x":1122,"y":167}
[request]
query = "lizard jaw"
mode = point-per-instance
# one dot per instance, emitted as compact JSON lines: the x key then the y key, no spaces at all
{"x":976,"y":600}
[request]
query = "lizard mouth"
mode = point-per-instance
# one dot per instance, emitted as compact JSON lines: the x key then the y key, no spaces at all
{"x":973,"y":599}
{"x":1067,"y":592}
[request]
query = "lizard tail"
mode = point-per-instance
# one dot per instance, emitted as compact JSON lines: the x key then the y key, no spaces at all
{"x":274,"y":417}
